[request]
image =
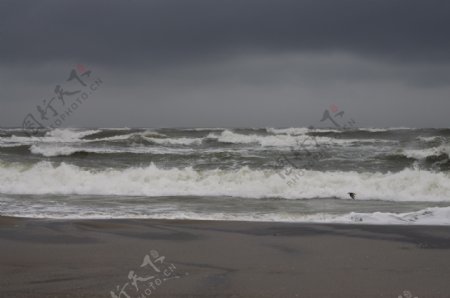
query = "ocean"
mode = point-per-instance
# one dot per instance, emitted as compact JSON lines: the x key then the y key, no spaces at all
{"x":399,"y":175}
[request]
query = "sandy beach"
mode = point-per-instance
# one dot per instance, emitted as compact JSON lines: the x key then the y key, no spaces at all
{"x":91,"y":258}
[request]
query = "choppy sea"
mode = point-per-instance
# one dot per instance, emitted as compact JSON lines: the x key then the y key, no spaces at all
{"x":399,"y":175}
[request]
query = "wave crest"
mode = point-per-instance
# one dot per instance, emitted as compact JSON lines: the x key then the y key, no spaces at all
{"x":46,"y":178}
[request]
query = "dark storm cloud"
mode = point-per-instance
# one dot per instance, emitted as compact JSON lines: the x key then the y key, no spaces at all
{"x":230,"y":63}
{"x":138,"y":32}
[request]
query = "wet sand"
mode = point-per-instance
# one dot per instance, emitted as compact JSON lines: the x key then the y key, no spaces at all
{"x":90,"y":258}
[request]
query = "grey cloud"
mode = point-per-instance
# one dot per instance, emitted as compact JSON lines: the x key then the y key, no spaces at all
{"x":136,"y":33}
{"x":231,"y":63}
{"x":258,"y":90}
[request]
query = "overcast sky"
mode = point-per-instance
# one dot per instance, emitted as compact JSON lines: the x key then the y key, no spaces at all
{"x":206,"y":63}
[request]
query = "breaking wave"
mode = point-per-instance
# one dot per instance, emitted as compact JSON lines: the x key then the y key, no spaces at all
{"x":428,"y":152}
{"x":47,"y":178}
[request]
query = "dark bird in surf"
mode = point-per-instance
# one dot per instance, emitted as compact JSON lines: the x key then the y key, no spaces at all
{"x":352,"y":195}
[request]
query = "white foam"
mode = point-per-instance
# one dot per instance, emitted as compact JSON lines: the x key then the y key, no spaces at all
{"x":10,"y":145}
{"x":53,"y":136}
{"x":12,"y":129}
{"x":203,"y":129}
{"x":18,"y":141}
{"x":146,"y":135}
{"x":428,"y":216}
{"x":176,"y":141}
{"x":113,"y":138}
{"x":45,"y":178}
{"x":371,"y":129}
{"x":289,"y":131}
{"x":290,"y":137}
{"x":423,"y":153}
{"x":68,"y":135}
{"x":50,"y":150}
{"x":430,"y":139}
{"x":115,"y":128}
{"x":279,"y":140}
{"x":304,"y":130}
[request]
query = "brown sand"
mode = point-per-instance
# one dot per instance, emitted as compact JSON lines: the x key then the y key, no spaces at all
{"x":89,"y":258}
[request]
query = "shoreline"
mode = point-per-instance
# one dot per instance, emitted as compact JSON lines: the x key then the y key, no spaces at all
{"x":6,"y":218}
{"x":91,"y":257}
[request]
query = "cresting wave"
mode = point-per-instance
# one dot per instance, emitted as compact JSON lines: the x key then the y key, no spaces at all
{"x":271,"y":137}
{"x":47,"y":178}
{"x":65,"y":150}
{"x":428,"y":152}
{"x":278,"y":140}
{"x":77,"y":136}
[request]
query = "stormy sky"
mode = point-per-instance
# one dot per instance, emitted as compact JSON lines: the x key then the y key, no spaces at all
{"x":240,"y":63}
